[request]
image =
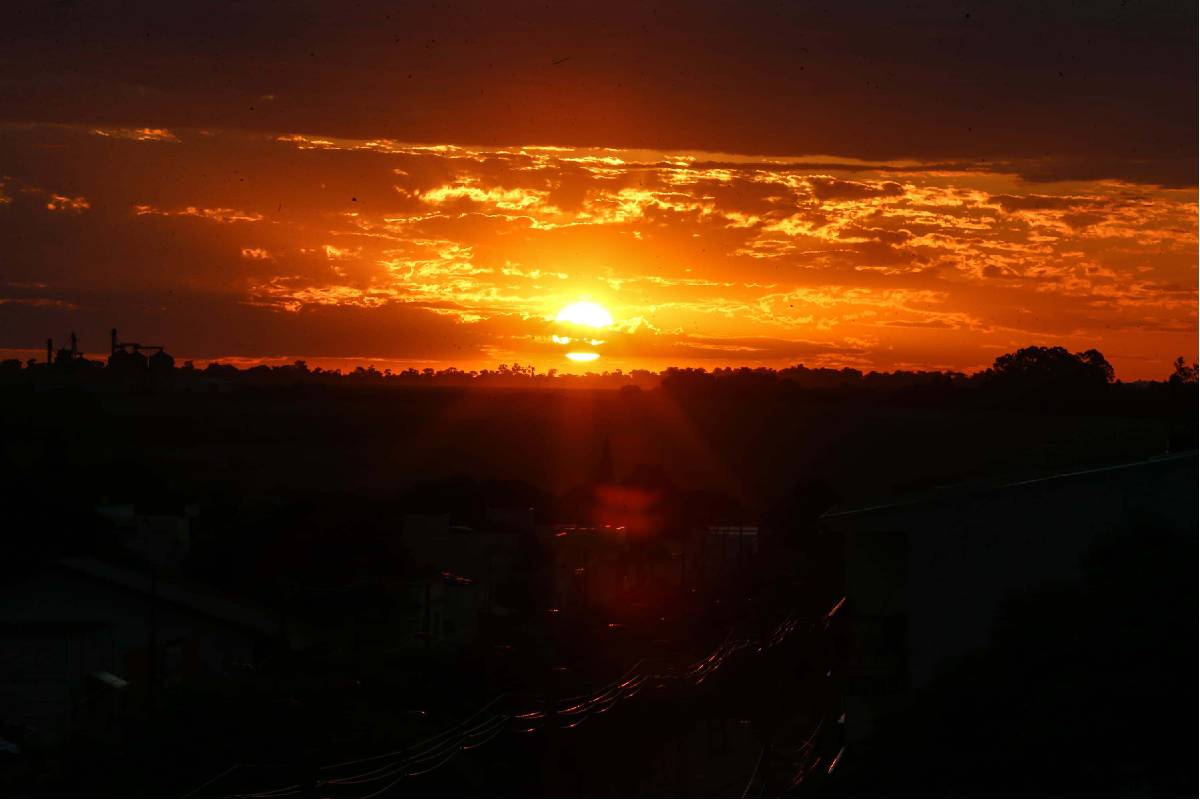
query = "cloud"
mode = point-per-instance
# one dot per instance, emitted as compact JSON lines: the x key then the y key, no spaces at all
{"x":702,"y":258}
{"x":59,"y":202}
{"x":824,"y":188}
{"x":466,"y":189}
{"x":137,"y":134}
{"x":939,"y":324}
{"x":1037,"y":202}
{"x":49,"y":200}
{"x":1106,"y":101}
{"x":213,"y":214}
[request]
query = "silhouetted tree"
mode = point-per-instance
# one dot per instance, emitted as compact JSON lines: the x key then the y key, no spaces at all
{"x":1050,"y":365}
{"x":1097,"y":364}
{"x":1183,"y":374}
{"x":1049,"y":376}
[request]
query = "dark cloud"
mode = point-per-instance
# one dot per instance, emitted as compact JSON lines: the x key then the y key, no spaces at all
{"x":1170,"y":167}
{"x":238,"y":243}
{"x":891,"y":237}
{"x":1083,"y":219}
{"x":834,"y":189}
{"x":204,"y":325}
{"x":735,"y":350}
{"x":994,"y":271}
{"x":1038,"y":202}
{"x":1079,"y":90}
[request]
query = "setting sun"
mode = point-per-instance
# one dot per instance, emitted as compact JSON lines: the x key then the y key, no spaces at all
{"x":591,"y":315}
{"x":549,"y":371}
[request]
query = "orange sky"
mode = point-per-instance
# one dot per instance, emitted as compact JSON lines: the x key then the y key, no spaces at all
{"x":235,"y":244}
{"x":863,"y":183}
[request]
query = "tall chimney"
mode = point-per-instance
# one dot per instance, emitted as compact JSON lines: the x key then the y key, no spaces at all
{"x":49,"y":352}
{"x":74,"y":344}
{"x":114,"y":341}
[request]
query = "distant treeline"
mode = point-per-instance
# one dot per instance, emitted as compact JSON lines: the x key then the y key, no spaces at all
{"x":1053,"y":369}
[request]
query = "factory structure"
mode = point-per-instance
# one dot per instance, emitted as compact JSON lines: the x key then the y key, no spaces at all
{"x":132,"y":355}
{"x":65,"y":356}
{"x":125,"y":357}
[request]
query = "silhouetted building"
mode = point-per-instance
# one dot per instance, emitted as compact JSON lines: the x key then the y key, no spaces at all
{"x":129,"y":357}
{"x":162,"y":539}
{"x":131,"y":361}
{"x":161,"y":361}
{"x":460,"y":568}
{"x":927,"y":577}
{"x":450,"y":609}
{"x":84,"y":641}
{"x":590,"y":563}
{"x":728,"y":545}
{"x":65,"y":357}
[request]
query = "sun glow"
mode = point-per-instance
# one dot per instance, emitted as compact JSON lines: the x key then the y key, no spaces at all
{"x":582,"y":314}
{"x":588,"y":314}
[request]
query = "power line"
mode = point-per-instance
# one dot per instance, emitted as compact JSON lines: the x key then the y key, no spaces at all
{"x":470,"y":733}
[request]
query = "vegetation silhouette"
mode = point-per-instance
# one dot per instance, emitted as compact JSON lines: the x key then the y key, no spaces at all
{"x":304,"y":481}
{"x":1029,"y":371}
{"x":1183,"y":375}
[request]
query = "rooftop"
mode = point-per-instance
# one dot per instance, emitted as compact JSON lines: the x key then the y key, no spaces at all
{"x":964,"y":491}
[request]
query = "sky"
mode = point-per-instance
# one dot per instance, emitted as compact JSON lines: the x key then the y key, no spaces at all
{"x":882,"y":186}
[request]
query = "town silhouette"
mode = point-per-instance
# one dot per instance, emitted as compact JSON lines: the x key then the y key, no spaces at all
{"x":301,"y":582}
{"x":630,"y":399}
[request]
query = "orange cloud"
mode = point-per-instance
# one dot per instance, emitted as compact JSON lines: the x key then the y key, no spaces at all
{"x":137,"y":134}
{"x":702,"y":259}
{"x":214,"y":214}
{"x":59,"y":202}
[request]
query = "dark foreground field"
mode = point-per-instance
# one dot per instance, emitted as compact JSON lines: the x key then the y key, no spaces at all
{"x":298,"y":502}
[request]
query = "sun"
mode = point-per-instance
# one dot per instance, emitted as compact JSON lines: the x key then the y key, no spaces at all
{"x":586,"y":313}
{"x":583,"y":314}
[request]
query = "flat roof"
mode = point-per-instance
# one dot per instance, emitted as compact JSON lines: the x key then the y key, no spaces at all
{"x":961,"y":490}
{"x":201,"y":600}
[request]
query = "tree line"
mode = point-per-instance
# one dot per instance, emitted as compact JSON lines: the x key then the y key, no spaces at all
{"x":1028,"y":369}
